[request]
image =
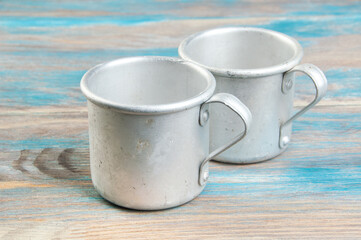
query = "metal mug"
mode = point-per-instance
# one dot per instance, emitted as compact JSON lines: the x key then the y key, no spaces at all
{"x":149,"y":131}
{"x":257,"y":66}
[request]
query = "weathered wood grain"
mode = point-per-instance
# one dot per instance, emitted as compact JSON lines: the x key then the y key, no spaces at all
{"x":313,"y":190}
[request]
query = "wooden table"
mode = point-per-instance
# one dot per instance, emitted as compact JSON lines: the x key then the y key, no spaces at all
{"x":313,"y":190}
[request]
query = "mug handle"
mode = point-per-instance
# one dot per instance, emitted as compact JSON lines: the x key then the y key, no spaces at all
{"x":320,"y":82}
{"x":240,"y":109}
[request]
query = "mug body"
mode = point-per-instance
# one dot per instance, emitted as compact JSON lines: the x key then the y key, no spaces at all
{"x":248,"y":63}
{"x":270,"y":108}
{"x":146,"y":143}
{"x":146,"y":162}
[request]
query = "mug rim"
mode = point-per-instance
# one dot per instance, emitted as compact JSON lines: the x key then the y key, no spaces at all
{"x":187,"y":103}
{"x":251,"y":72}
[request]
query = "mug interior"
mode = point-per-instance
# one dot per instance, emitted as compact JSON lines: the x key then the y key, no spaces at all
{"x":147,"y":81}
{"x":240,"y":48}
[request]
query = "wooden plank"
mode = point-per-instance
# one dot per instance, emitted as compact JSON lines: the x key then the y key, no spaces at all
{"x":213,"y":8}
{"x":45,"y":69}
{"x":313,"y":190}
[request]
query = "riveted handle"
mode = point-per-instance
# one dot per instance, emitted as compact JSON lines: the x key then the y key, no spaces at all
{"x":320,"y":82}
{"x":240,"y":109}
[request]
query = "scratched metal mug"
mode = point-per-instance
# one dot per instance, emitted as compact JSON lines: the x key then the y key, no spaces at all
{"x":257,"y":66}
{"x":149,"y":131}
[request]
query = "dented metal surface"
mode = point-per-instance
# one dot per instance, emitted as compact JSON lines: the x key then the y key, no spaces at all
{"x":147,"y":144}
{"x":257,"y":66}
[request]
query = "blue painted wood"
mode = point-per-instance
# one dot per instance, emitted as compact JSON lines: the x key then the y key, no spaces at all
{"x":312,"y":190}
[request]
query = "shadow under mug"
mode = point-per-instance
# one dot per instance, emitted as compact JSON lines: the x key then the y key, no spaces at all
{"x":257,"y":66}
{"x":149,"y":130}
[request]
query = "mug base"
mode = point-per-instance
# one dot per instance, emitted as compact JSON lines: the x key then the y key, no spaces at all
{"x":145,"y":206}
{"x":250,"y":160}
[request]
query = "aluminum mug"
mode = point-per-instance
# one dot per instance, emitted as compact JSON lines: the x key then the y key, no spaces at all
{"x":257,"y":66}
{"x":149,"y":130}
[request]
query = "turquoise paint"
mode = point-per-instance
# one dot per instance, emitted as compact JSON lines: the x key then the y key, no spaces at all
{"x":112,"y":6}
{"x":333,"y":122}
{"x":324,"y":9}
{"x":348,"y":82}
{"x":34,"y":96}
{"x":106,"y":54}
{"x":11,"y":23}
{"x":31,"y":97}
{"x":152,"y":6}
{"x":292,"y":180}
{"x":315,"y":21}
{"x":312,"y":121}
{"x":303,"y":28}
{"x":40,"y":143}
{"x":57,"y":87}
{"x":40,"y":79}
{"x":316,"y":27}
